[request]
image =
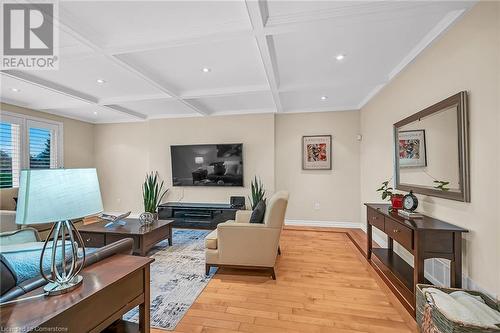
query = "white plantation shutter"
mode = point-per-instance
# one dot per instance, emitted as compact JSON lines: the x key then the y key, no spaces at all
{"x":42,"y":145}
{"x":10,"y":151}
{"x":26,"y":142}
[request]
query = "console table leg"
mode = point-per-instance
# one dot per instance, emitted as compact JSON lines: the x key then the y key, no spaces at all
{"x":369,"y":241}
{"x":144,"y":308}
{"x":456,"y":263}
{"x":418,"y":261}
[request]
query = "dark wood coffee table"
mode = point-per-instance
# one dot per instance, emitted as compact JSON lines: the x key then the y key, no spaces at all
{"x":97,"y":235}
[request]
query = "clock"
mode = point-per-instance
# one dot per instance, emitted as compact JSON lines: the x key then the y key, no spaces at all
{"x":410,"y":202}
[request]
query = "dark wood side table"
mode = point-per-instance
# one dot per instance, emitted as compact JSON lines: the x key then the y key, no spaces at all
{"x":97,"y":235}
{"x":111,"y":287}
{"x":425,"y":238}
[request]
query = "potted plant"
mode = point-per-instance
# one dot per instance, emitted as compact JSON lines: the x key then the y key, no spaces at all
{"x":387,"y":193}
{"x":152,"y":194}
{"x":258,"y":192}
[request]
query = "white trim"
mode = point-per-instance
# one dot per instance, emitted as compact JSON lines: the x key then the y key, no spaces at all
{"x":442,"y":26}
{"x":328,"y":224}
{"x":25,"y":121}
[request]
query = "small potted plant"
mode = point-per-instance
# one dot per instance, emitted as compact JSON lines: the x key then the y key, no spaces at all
{"x":258,"y":193}
{"x":387,"y":193}
{"x":152,"y":193}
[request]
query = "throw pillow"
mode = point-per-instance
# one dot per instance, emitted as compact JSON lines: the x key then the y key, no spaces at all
{"x":258,"y":213}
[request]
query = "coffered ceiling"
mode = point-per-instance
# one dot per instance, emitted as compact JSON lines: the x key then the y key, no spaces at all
{"x":134,"y":60}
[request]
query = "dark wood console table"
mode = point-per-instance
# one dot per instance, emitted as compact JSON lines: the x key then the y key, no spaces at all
{"x":197,"y":215}
{"x":111,"y":288}
{"x":425,"y":238}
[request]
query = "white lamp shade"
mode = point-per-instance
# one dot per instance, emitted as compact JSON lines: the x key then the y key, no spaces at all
{"x":51,"y":195}
{"x":198,"y":160}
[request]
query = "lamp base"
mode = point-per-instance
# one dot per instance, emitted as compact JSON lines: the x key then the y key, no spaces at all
{"x":58,"y":289}
{"x":64,"y":275}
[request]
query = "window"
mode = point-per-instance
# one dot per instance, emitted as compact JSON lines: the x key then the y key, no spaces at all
{"x":27,"y":142}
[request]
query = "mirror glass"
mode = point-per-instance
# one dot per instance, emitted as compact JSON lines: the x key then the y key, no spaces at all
{"x":429,"y":152}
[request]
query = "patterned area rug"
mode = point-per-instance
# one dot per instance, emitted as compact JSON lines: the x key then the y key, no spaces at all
{"x":177,"y":278}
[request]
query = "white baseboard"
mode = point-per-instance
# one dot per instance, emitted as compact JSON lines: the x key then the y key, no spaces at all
{"x":328,"y":224}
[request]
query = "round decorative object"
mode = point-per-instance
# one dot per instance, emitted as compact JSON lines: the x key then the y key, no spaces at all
{"x":410,"y":202}
{"x":146,"y":218}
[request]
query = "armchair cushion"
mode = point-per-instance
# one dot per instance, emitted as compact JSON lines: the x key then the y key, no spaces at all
{"x":258,"y":213}
{"x":243,"y":216}
{"x":211,"y":240}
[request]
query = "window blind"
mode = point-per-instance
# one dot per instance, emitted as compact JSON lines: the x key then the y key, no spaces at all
{"x":42,"y":148}
{"x":10,"y":154}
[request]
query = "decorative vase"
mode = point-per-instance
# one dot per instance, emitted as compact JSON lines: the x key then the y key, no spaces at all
{"x":397,"y":201}
{"x":148,"y":218}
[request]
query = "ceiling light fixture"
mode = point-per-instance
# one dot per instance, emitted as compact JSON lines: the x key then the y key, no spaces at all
{"x":95,"y":113}
{"x":340,"y":57}
{"x":324,"y":98}
{"x":206,"y":70}
{"x":15,"y":89}
{"x":101,"y":81}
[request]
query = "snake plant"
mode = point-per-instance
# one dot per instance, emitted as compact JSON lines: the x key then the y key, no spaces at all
{"x":152,"y":192}
{"x":258,"y":192}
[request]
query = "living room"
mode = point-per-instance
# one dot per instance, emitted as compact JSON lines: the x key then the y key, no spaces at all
{"x":262,"y":78}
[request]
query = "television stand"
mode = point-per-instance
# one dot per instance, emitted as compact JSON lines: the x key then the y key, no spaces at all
{"x":196,"y":215}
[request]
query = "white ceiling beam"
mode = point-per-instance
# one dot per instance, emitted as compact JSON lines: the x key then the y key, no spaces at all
{"x":282,"y":24}
{"x":63,"y":90}
{"x":242,"y":90}
{"x":126,"y":111}
{"x":129,"y":67}
{"x":132,"y":98}
{"x":201,"y":37}
{"x":257,"y":11}
{"x":30,"y":79}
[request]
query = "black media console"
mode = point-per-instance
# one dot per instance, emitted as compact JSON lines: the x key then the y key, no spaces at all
{"x":197,"y":215}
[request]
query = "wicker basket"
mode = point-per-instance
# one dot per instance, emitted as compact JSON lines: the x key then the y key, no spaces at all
{"x":431,"y":320}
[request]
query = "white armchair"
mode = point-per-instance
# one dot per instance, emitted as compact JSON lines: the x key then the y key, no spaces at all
{"x":252,"y":245}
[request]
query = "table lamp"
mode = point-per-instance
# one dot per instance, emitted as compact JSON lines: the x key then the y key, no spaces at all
{"x":58,"y":196}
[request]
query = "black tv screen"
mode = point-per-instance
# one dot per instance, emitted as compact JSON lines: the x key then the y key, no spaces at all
{"x":207,"y":165}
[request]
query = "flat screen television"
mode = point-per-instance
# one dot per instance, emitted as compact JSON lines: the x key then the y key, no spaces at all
{"x":207,"y":165}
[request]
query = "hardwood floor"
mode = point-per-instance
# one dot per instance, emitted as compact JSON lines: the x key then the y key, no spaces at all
{"x":323,"y":284}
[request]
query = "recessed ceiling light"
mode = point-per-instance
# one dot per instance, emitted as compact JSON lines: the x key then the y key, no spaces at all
{"x":95,"y":113}
{"x":206,"y":70}
{"x":340,"y":57}
{"x":101,"y":81}
{"x":324,"y":98}
{"x":15,"y":89}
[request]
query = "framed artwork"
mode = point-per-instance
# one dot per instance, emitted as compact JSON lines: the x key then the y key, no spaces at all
{"x":317,"y":152}
{"x":412,"y":148}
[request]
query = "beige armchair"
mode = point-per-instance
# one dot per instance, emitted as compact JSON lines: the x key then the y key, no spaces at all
{"x":241,"y":244}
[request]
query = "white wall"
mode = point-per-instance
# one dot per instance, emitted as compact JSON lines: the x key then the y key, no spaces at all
{"x":126,"y":152}
{"x":337,"y":190}
{"x":271,"y":150}
{"x":467,"y":57}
